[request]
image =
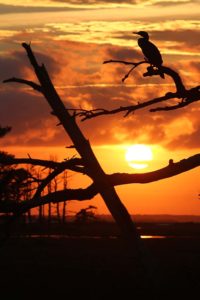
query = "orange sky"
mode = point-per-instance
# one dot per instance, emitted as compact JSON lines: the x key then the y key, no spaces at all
{"x":73,"y":38}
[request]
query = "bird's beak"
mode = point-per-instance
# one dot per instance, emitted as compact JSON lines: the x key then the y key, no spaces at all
{"x":135,"y":32}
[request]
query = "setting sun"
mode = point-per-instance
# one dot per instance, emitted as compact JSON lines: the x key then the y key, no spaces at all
{"x":138,"y":156}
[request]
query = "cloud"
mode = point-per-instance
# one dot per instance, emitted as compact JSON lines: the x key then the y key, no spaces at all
{"x":33,"y":125}
{"x":25,"y":110}
{"x":189,"y":137}
{"x":83,"y":81}
{"x":119,"y":53}
{"x":130,"y":2}
{"x":185,"y":37}
{"x":16,"y":64}
{"x":93,"y":2}
{"x":26,"y":113}
{"x":165,"y":3}
{"x":186,"y":141}
{"x":14,"y":9}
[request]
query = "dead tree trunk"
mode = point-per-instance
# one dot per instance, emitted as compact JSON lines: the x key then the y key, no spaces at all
{"x":49,"y":213}
{"x":81,"y":144}
{"x":49,"y":190}
{"x":55,"y":187}
{"x":64,"y":208}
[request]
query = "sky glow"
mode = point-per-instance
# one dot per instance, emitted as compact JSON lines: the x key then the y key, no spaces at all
{"x":73,"y":38}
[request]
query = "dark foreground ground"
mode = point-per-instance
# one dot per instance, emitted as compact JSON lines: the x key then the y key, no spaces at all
{"x":80,"y":267}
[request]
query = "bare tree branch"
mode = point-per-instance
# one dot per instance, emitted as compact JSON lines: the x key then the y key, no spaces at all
{"x":172,"y":169}
{"x":180,"y":88}
{"x":32,"y":84}
{"x":115,"y":179}
{"x":191,"y":96}
{"x":47,"y":180}
{"x":74,"y":164}
{"x":152,"y":72}
{"x":134,"y":64}
{"x":59,"y":196}
{"x":187,"y":96}
{"x":124,"y":62}
{"x":89,"y":114}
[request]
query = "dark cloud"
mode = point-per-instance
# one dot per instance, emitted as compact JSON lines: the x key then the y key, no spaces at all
{"x":174,"y":3}
{"x":185,"y":37}
{"x":9,"y":66}
{"x":195,"y":65}
{"x":10,"y":9}
{"x":190,"y":139}
{"x":187,"y":141}
{"x":93,"y":2}
{"x":154,"y":3}
{"x":119,"y":53}
{"x":25,"y":112}
{"x":188,"y":37}
{"x":16,"y":62}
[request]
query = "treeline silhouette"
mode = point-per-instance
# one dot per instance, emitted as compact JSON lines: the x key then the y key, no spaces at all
{"x":19,"y":184}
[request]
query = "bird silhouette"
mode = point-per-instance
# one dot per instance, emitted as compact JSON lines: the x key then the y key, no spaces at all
{"x":150,"y":51}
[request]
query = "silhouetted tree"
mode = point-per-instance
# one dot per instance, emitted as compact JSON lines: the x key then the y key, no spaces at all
{"x":27,"y":193}
{"x":14,"y":182}
{"x":85,"y":215}
{"x":87,"y":163}
{"x":64,"y":210}
{"x":49,"y":191}
{"x":55,"y":189}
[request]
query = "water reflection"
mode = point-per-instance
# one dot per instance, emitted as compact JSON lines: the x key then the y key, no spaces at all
{"x":59,"y":236}
{"x":153,"y":236}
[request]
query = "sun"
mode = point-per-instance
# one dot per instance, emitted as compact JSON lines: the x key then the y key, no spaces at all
{"x":138,"y":156}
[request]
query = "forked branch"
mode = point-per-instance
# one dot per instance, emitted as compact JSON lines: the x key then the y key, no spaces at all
{"x":187,"y":96}
{"x":89,"y":114}
{"x":134,"y":64}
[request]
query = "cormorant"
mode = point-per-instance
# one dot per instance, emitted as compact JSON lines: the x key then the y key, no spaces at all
{"x":150,"y":51}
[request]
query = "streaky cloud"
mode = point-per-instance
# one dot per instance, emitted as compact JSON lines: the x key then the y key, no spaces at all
{"x":14,"y":9}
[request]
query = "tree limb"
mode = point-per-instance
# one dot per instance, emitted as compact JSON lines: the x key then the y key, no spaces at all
{"x":47,"y":180}
{"x":74,"y":164}
{"x":89,"y":114}
{"x":124,"y":62}
{"x":191,"y":96}
{"x":32,"y":84}
{"x":55,"y":197}
{"x":171,"y":170}
{"x":134,"y":64}
{"x":152,"y":72}
{"x":187,"y":96}
{"x":180,"y":88}
{"x":115,"y":179}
